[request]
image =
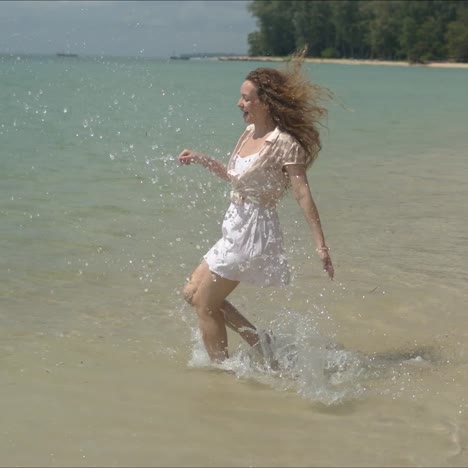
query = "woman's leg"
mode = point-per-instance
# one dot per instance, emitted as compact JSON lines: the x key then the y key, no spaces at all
{"x":238,"y":323}
{"x":206,"y":291}
{"x":232,"y":317}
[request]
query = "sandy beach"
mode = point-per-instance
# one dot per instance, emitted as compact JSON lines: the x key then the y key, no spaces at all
{"x":349,"y":61}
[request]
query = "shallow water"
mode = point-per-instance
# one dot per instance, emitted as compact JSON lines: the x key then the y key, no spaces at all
{"x":100,"y":362}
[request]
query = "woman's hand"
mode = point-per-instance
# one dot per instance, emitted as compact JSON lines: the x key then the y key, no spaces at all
{"x":326,"y":262}
{"x":188,"y":157}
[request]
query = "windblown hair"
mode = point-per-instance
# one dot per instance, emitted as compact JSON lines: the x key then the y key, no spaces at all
{"x":293,"y":102}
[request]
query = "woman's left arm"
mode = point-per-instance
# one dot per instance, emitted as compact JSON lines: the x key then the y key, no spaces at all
{"x":301,"y":190}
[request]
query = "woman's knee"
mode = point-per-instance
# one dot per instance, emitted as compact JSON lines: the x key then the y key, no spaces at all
{"x":191,"y":287}
{"x":203,"y":305}
{"x":191,"y":294}
{"x":188,"y":293}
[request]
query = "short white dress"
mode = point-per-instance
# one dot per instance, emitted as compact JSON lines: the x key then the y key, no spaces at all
{"x":251,"y":247}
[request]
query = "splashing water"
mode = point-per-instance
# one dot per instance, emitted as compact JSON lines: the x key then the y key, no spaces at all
{"x":294,"y":356}
{"x":297,"y":358}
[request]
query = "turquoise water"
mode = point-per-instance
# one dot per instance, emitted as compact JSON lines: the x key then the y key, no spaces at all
{"x":100,"y":227}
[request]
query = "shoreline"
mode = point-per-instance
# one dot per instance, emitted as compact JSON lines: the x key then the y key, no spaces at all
{"x":246,"y":58}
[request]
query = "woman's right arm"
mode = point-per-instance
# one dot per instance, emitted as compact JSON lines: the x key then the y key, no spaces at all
{"x":218,"y":168}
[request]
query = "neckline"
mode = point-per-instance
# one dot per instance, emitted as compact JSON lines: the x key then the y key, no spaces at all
{"x":268,"y":140}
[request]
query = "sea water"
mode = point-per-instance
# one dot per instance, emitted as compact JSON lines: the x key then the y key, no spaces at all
{"x":101,"y":361}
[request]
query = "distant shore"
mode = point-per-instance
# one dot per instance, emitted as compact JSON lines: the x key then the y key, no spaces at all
{"x":391,"y":63}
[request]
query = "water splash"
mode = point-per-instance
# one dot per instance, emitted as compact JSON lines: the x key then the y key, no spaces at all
{"x":299,"y":359}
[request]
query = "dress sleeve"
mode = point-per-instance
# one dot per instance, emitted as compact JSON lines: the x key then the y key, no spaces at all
{"x":293,"y":153}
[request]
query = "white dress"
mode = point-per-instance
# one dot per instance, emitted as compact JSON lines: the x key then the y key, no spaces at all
{"x":251,"y":247}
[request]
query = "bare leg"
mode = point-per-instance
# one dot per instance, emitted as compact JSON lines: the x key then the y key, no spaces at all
{"x":238,"y":323}
{"x":206,"y":292}
{"x":232,"y":317}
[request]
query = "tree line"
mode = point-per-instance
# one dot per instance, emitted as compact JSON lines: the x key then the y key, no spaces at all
{"x":416,"y":31}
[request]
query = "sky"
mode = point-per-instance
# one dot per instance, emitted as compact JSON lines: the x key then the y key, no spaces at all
{"x":125,"y":28}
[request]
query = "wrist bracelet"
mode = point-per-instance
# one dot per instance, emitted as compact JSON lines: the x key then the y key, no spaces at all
{"x":322,"y":249}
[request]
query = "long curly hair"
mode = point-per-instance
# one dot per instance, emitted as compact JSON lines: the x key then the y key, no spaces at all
{"x":293,"y":102}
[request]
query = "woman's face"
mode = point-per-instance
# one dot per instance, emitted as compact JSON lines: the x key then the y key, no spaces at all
{"x":253,"y":110}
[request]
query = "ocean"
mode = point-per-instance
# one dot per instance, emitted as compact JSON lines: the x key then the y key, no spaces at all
{"x":101,"y":362}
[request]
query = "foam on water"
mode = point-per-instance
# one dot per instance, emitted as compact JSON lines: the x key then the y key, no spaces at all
{"x":299,"y":359}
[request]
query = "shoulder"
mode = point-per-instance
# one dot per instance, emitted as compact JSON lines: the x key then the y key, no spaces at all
{"x":289,"y":150}
{"x":287,"y":140}
{"x":284,"y":148}
{"x":280,"y":136}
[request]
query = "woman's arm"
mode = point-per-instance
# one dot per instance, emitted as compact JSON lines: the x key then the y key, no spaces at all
{"x":301,"y":190}
{"x":218,"y":168}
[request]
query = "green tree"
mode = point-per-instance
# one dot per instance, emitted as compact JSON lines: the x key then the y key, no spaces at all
{"x":313,"y":25}
{"x":414,"y":30}
{"x":275,"y":19}
{"x":344,"y":14}
{"x":384,"y":29}
{"x":256,"y":43}
{"x":424,"y":29}
{"x":457,"y":37}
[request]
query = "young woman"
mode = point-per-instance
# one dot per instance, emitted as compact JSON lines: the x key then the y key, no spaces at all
{"x":279,"y":144}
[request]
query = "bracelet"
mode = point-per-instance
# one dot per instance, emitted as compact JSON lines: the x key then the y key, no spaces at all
{"x":322,"y":249}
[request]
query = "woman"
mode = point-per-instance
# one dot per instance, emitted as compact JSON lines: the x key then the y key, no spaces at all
{"x":279,"y":144}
